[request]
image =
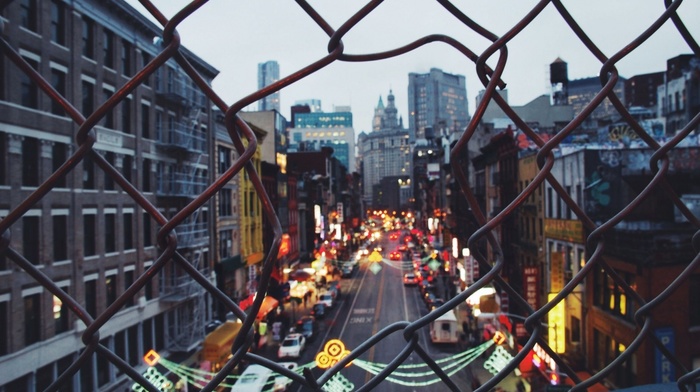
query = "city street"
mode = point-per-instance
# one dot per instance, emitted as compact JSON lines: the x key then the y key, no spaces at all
{"x":371,"y":301}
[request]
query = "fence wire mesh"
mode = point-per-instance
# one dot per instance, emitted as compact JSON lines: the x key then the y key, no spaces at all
{"x":245,"y":142}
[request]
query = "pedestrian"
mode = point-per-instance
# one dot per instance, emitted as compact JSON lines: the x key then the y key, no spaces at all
{"x":306,"y":298}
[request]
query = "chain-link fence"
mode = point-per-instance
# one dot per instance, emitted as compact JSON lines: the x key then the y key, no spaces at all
{"x":244,"y":140}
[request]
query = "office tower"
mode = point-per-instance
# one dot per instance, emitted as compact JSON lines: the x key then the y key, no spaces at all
{"x":268,"y":73}
{"x":436,"y":99}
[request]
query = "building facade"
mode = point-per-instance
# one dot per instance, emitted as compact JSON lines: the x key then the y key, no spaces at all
{"x":315,"y":130}
{"x":436,"y":99}
{"x":384,"y":153}
{"x":87,"y":234}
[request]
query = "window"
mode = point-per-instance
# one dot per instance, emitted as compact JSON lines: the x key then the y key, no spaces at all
{"x":28,"y":14}
{"x":88,"y":98}
{"x":111,"y":289}
{"x":58,"y":82}
{"x":4,"y":325}
{"x":88,"y":173}
{"x":110,"y":233}
{"x":91,"y":297}
{"x":103,"y":366}
{"x":109,"y":181}
{"x":225,"y":242}
{"x":126,"y":58}
{"x":3,"y":156}
{"x":694,"y":290}
{"x":32,"y":318}
{"x":128,"y":231}
{"x":146,"y":59}
{"x":60,"y":237}
{"x":133,"y":337}
{"x":60,"y":314}
{"x":108,"y":46}
{"x":145,"y":121}
{"x":109,"y":116}
{"x":88,"y":36}
{"x":28,"y":89}
{"x":147,"y":241}
{"x":89,"y":248}
{"x":87,"y":380}
{"x":62,"y":365}
{"x":128,"y":281}
{"x":126,"y":115}
{"x":224,"y":159}
{"x":30,"y":161}
{"x":31,"y":241}
{"x":120,"y":348}
{"x":225,"y":202}
{"x":58,"y":22}
{"x":146,"y":175}
{"x":127,"y":167}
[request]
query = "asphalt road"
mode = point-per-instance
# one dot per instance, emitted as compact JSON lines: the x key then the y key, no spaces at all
{"x":372,"y":300}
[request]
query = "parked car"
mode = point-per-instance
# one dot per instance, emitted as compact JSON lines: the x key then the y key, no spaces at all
{"x":334,"y":288}
{"x":437,"y":302}
{"x":318,"y":311}
{"x":292,"y":346}
{"x":347,"y":269}
{"x":326,"y":299}
{"x":306,"y":326}
{"x":410,"y":279}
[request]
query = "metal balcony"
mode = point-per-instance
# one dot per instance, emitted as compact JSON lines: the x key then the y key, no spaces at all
{"x":184,"y":135}
{"x":181,"y":185}
{"x":176,"y":88}
{"x":181,"y":288}
{"x":192,"y":235}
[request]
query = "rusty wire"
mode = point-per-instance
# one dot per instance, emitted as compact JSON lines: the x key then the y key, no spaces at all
{"x":239,"y":130}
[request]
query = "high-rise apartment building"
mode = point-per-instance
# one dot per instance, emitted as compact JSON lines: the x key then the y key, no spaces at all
{"x":87,"y":234}
{"x":268,"y":73}
{"x":439,"y":100}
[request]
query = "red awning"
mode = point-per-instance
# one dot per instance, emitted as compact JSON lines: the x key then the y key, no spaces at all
{"x":268,"y":305}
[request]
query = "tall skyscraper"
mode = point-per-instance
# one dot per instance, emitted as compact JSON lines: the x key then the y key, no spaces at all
{"x":436,"y":99}
{"x":268,"y":73}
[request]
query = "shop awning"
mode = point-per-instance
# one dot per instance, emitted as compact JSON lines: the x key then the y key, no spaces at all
{"x":254,"y":258}
{"x":268,"y":305}
{"x":217,"y":345}
{"x":232,"y":263}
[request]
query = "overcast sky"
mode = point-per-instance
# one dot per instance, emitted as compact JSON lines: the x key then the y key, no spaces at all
{"x":235,"y":36}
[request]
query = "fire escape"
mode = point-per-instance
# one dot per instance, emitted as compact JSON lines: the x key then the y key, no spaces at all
{"x":181,"y":177}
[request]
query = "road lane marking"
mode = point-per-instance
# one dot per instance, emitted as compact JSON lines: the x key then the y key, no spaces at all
{"x":377,"y":310}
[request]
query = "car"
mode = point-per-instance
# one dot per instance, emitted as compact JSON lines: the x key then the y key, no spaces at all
{"x":347,"y":269}
{"x":256,"y":377}
{"x":437,"y":302}
{"x":395,"y":255}
{"x":318,"y":311}
{"x":306,"y":326}
{"x":334,"y":288}
{"x":410,"y":279}
{"x":326,"y":299}
{"x":425,"y":287}
{"x":292,"y":346}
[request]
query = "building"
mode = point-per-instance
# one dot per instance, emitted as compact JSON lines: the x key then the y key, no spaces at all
{"x":88,"y":235}
{"x":268,"y":73}
{"x":647,"y":251}
{"x":679,"y":95}
{"x":315,"y":130}
{"x":384,"y":153}
{"x":230,"y":262}
{"x":273,"y":153}
{"x":436,"y":99}
{"x":582,"y":91}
